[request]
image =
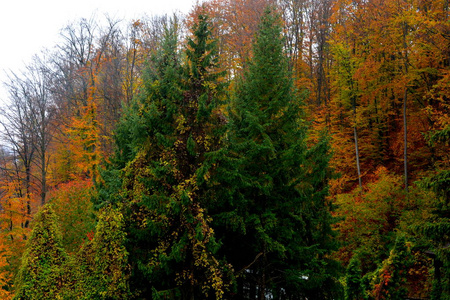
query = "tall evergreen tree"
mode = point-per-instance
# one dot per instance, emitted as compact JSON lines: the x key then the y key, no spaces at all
{"x":41,"y":273}
{"x":162,"y":146}
{"x":272,"y":216}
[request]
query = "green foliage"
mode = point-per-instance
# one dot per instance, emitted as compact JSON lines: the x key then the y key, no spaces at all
{"x":163,"y":142}
{"x":437,"y":227}
{"x":374,"y":220}
{"x":100,"y":270}
{"x":270,"y":209}
{"x":73,"y":206}
{"x":208,"y":200}
{"x":41,"y":272}
{"x":389,"y":281}
{"x":370,"y":217}
{"x":153,"y":111}
{"x":107,"y":189}
{"x":441,"y":281}
{"x":353,"y":287}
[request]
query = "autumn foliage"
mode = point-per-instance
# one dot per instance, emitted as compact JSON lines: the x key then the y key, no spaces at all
{"x":252,"y":148}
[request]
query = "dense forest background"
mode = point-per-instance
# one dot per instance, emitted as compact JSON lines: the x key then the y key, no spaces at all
{"x":252,"y":149}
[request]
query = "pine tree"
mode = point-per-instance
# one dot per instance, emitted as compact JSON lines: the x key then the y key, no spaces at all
{"x":271,"y":214}
{"x":41,"y":273}
{"x":162,"y":146}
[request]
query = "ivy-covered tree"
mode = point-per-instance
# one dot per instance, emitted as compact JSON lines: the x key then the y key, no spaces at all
{"x":271,"y":215}
{"x":41,"y":273}
{"x":72,"y":204}
{"x":100,"y":270}
{"x":389,"y":281}
{"x":163,"y":143}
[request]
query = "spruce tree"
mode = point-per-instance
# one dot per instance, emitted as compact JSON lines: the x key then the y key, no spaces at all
{"x":163,"y":144}
{"x":41,"y":274}
{"x":271,"y":214}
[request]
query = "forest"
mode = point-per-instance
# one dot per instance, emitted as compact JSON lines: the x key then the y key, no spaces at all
{"x":250,"y":149}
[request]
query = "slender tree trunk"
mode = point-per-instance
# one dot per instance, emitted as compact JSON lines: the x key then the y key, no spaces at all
{"x":405,"y":99}
{"x":405,"y":139}
{"x":355,"y":133}
{"x":44,"y":178}
{"x":28,"y":195}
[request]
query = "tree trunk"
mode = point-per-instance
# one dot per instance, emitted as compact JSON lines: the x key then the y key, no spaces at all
{"x":44,"y":177}
{"x":405,"y":139}
{"x":28,"y":195}
{"x":355,"y":133}
{"x":405,"y":98}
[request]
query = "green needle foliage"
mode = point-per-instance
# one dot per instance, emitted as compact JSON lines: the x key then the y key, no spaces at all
{"x":214,"y":199}
{"x":272,"y":217}
{"x":163,"y":143}
{"x":41,"y":273}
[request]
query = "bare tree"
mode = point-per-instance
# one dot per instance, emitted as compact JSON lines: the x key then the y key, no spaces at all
{"x":72,"y":64}
{"x":27,"y":126}
{"x":43,"y":113}
{"x":19,"y":137}
{"x":11,"y":188}
{"x":294,"y":13}
{"x":307,"y":35}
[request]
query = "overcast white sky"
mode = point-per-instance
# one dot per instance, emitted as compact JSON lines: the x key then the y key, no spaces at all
{"x":29,"y":26}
